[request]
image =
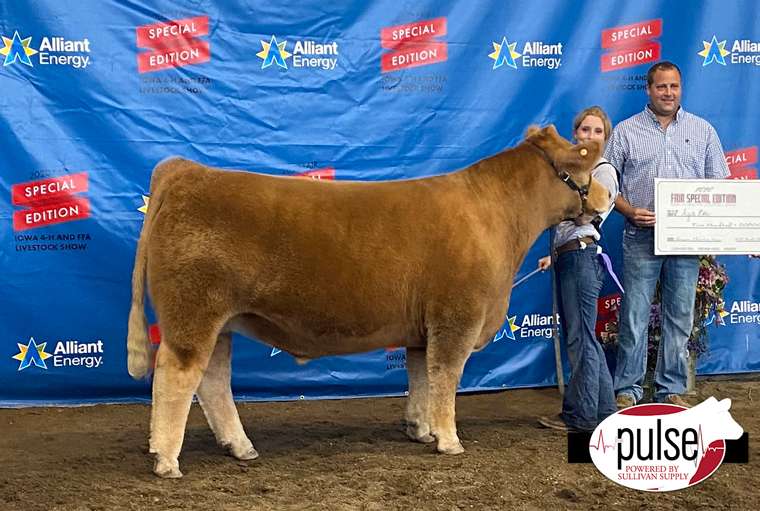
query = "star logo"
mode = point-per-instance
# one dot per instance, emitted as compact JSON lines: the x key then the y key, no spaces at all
{"x":144,"y":207}
{"x":273,"y":52}
{"x":17,"y":49}
{"x":32,"y":353}
{"x":504,"y":53}
{"x":714,"y":52}
{"x":509,"y":332}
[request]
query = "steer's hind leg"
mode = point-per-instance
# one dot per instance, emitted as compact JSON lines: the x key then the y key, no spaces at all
{"x":215,"y":396}
{"x":180,"y":363}
{"x":417,"y":423}
{"x":449,"y":346}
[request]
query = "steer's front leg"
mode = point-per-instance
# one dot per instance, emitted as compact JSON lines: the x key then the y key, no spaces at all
{"x":447,"y":352}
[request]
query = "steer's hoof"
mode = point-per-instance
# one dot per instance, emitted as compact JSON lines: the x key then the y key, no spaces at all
{"x":453,"y":448}
{"x":416,"y":433}
{"x":166,"y":470}
{"x":245,"y":454}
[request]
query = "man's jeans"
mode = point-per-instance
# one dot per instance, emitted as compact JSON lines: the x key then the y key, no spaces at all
{"x":678,"y":279}
{"x":589,"y":397}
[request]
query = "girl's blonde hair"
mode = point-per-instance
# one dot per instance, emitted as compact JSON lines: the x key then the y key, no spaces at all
{"x":597,"y":112}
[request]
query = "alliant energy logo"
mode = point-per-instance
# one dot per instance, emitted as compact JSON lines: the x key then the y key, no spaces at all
{"x":306,"y":54}
{"x":17,"y":49}
{"x":743,"y":311}
{"x":714,"y":52}
{"x":743,"y":51}
{"x":65,"y":354}
{"x":740,"y":163}
{"x":534,"y":54}
{"x":631,"y":45}
{"x":50,"y":201}
{"x":662,"y":447}
{"x":413,"y":45}
{"x":532,"y":325}
{"x":53,"y":51}
{"x":174,"y":44}
{"x":32,"y":354}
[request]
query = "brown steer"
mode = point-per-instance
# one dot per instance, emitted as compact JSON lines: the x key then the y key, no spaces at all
{"x":318,"y":268}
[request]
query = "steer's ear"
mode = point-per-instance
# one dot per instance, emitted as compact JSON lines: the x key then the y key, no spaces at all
{"x":537,"y":134}
{"x":532,"y":130}
{"x":581,"y":157}
{"x":548,"y":140}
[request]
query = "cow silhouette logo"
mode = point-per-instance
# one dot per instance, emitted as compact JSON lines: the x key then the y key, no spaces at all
{"x":663,"y":447}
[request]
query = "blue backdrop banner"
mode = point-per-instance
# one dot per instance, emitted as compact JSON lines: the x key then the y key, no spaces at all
{"x":96,"y":93}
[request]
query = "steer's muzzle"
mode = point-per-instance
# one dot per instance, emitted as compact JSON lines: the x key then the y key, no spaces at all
{"x":597,"y":203}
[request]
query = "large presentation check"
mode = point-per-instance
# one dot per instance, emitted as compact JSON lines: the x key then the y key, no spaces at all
{"x":707,"y":216}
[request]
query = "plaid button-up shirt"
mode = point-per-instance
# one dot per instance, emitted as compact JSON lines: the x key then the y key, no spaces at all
{"x":641,"y":150}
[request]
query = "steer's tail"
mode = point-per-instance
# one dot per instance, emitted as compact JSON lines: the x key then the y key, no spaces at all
{"x":139,"y":346}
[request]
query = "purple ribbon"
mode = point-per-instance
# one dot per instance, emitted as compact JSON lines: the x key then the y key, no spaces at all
{"x":608,"y":264}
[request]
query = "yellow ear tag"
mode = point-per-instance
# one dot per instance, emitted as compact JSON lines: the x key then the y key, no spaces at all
{"x":584,"y":152}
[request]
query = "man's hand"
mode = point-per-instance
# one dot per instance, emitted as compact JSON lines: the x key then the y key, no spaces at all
{"x":544,"y":263}
{"x":642,"y":217}
{"x":639,"y":217}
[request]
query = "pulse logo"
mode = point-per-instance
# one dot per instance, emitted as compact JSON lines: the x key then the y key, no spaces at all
{"x":662,"y":447}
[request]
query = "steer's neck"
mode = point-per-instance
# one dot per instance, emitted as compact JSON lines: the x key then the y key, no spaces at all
{"x":525,"y":194}
{"x":524,"y":186}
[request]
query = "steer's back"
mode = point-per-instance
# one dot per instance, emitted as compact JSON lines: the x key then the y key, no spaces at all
{"x":298,"y":260}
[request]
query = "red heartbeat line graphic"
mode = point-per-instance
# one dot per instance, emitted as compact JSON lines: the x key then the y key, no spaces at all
{"x":699,"y":436}
{"x":700,"y":445}
{"x":604,"y":446}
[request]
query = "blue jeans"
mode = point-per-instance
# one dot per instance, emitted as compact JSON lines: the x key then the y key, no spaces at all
{"x":589,"y":397}
{"x":678,"y":279}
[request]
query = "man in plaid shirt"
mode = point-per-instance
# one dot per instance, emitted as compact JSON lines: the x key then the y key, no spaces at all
{"x":667,"y":142}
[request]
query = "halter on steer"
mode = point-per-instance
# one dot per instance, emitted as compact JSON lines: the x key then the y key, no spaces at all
{"x":565,"y":177}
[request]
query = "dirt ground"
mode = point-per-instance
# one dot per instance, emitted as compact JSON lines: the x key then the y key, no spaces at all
{"x":341,"y":456}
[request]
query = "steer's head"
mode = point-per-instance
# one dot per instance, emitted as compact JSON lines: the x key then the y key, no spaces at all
{"x":573,"y":165}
